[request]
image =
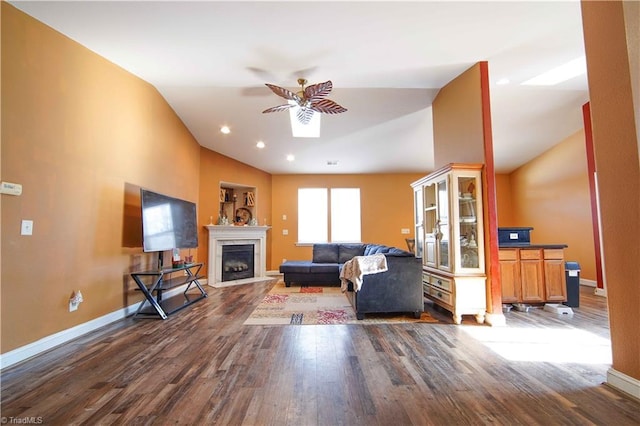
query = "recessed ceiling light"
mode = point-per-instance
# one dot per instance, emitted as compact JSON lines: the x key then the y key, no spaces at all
{"x":260,"y":144}
{"x":559,"y":74}
{"x":225,"y":129}
{"x":290,"y":157}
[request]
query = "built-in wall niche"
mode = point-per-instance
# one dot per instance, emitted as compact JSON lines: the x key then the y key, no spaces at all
{"x":237,"y":204}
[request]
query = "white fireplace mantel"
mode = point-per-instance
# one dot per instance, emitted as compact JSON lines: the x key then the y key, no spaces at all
{"x":221,"y":235}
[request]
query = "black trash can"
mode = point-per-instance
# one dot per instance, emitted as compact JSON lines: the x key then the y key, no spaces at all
{"x":572,"y":274}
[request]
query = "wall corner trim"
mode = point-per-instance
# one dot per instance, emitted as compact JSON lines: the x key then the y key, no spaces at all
{"x":624,"y":383}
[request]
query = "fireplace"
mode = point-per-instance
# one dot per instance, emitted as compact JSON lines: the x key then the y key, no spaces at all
{"x":223,"y":238}
{"x":237,"y":262}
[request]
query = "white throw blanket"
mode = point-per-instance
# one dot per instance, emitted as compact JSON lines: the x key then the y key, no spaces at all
{"x":354,"y":269}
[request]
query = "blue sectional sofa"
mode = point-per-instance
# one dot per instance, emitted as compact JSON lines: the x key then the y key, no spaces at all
{"x":399,"y":289}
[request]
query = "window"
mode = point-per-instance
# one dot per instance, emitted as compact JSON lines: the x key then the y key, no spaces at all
{"x":313,"y":218}
{"x":323,"y":212}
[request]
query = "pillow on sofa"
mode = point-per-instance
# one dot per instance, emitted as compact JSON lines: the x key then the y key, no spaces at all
{"x":325,"y":253}
{"x":375,"y":249}
{"x":399,"y":252}
{"x":349,"y":251}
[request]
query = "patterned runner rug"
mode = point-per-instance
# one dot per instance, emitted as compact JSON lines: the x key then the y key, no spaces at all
{"x":309,"y":305}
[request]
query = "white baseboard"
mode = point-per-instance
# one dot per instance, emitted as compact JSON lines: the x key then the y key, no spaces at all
{"x":32,"y":349}
{"x":624,"y":383}
{"x":588,"y":283}
{"x":600,"y":292}
{"x":591,"y":283}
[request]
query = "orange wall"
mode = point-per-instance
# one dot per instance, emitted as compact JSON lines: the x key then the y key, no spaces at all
{"x":608,"y":31}
{"x":551,"y":194}
{"x":216,"y":168}
{"x":457,"y":121}
{"x":503,"y":195}
{"x":386,"y":206}
{"x":81,"y":135}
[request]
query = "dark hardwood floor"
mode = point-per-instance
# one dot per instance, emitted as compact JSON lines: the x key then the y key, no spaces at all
{"x":203,"y":366}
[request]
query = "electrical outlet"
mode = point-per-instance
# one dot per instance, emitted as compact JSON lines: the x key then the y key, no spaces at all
{"x":405,"y":231}
{"x":284,"y":217}
{"x":285,"y":232}
{"x":284,"y":260}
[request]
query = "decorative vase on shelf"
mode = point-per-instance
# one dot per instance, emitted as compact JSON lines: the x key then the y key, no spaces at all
{"x":253,"y":222}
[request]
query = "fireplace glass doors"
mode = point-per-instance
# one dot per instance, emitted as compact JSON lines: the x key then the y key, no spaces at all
{"x":237,"y":262}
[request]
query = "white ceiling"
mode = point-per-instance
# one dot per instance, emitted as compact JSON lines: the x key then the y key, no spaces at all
{"x":387,"y":61}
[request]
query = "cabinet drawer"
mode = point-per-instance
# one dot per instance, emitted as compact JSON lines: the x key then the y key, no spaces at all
{"x":507,"y":255}
{"x":442,"y":295}
{"x":426,"y":278}
{"x":530,"y":254}
{"x":554,"y":254}
{"x":443,"y":283}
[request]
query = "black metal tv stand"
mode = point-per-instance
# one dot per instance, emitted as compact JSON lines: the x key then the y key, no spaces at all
{"x":155,"y":282}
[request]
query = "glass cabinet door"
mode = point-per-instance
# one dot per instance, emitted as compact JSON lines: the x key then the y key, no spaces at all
{"x":418,"y":202}
{"x":430,"y":226}
{"x":469,"y":214}
{"x":443,"y":225}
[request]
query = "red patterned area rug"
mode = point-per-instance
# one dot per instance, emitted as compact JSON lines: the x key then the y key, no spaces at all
{"x":310,"y":305}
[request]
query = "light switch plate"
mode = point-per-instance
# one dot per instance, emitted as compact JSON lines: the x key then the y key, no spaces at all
{"x":27,"y":227}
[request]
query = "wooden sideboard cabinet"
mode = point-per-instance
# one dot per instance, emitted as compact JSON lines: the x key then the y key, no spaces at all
{"x":532,"y":275}
{"x":450,"y":239}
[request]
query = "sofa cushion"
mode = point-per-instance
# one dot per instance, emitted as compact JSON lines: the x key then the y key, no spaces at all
{"x":349,"y":251}
{"x":393,"y":251}
{"x":325,"y":253}
{"x":295,"y":266}
{"x":324,"y":268}
{"x":376,"y":249}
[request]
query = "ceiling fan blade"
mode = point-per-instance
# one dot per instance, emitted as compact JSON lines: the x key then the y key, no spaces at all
{"x":255,"y":91}
{"x":305,"y":115}
{"x":317,"y":91}
{"x":262,"y":74}
{"x":278,"y":108}
{"x":327,"y":106}
{"x":303,"y":73}
{"x":281,"y":91}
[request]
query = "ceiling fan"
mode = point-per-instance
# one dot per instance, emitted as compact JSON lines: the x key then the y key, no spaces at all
{"x":310,"y":99}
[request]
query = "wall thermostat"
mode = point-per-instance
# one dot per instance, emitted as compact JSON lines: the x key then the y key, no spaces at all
{"x":10,"y":188}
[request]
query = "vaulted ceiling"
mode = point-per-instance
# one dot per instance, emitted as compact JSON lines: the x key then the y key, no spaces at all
{"x":387,"y":61}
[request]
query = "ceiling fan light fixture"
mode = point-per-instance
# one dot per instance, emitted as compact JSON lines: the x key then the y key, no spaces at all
{"x":301,"y":130}
{"x":306,"y":106}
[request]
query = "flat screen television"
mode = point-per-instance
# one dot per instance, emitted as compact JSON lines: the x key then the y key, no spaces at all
{"x":167,"y":223}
